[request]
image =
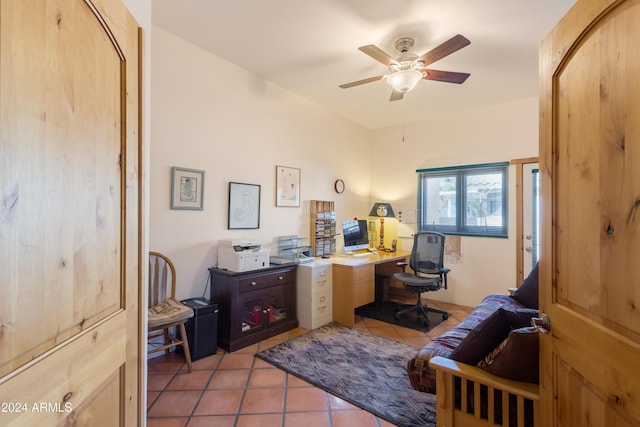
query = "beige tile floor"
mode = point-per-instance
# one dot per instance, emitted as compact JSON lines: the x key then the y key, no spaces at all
{"x":237,"y":389}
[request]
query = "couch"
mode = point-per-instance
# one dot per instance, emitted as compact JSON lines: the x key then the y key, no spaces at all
{"x":421,"y":375}
{"x":486,"y":368}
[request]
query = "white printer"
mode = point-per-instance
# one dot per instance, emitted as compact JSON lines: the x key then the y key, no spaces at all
{"x":241,"y":255}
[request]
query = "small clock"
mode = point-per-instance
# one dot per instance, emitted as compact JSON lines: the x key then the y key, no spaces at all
{"x":339,"y":186}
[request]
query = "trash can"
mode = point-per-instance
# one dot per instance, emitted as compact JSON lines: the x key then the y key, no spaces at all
{"x":202,"y":328}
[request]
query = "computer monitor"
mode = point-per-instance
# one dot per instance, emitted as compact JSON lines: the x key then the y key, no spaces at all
{"x":355,"y":234}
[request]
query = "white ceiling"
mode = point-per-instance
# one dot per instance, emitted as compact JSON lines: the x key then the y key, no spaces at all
{"x":311,"y":46}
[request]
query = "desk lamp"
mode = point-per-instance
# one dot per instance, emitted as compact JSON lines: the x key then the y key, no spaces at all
{"x":382,"y":211}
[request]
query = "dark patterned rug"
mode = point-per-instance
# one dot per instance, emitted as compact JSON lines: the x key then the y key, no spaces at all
{"x":363,"y":369}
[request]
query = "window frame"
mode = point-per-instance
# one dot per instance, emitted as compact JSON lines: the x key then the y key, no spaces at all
{"x":461,"y":173}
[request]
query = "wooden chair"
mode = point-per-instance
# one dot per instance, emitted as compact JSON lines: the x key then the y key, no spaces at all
{"x":164,"y":311}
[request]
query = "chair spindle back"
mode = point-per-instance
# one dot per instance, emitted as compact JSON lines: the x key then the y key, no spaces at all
{"x":162,"y":278}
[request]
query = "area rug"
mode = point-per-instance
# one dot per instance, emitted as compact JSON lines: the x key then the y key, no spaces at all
{"x":363,"y":369}
{"x":385,"y":312}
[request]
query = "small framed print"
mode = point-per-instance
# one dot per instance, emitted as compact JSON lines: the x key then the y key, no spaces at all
{"x":187,"y":188}
{"x":244,"y":206}
{"x":287,"y":186}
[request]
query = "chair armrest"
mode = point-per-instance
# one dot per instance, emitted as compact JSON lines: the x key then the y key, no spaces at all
{"x":402,"y":265}
{"x":473,"y":373}
{"x":443,"y":275}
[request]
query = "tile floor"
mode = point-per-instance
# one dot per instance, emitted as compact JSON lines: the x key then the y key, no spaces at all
{"x":237,"y":389}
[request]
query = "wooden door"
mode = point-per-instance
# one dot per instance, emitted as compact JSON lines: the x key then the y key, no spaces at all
{"x":69,"y":214}
{"x":590,"y":182}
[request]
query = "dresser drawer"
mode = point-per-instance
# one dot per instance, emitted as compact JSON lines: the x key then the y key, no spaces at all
{"x":265,"y":281}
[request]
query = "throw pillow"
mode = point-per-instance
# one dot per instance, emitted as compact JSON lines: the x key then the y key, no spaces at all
{"x":490,"y":333}
{"x":527,"y":293}
{"x":517,"y":358}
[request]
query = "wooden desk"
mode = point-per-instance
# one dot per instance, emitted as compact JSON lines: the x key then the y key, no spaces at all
{"x":354,"y":280}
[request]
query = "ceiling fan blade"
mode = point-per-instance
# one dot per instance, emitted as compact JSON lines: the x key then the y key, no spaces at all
{"x":361,"y":82}
{"x":378,"y":54}
{"x":396,"y":96}
{"x":447,"y":48}
{"x":445,"y":76}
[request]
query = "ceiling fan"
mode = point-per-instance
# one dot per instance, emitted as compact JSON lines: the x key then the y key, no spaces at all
{"x":408,"y":69}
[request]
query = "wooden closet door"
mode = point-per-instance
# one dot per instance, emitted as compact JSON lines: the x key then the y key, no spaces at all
{"x":69,"y":214}
{"x":590,"y":181}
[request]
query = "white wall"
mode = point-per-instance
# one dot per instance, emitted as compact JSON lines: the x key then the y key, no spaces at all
{"x":495,"y":134}
{"x":210,"y":115}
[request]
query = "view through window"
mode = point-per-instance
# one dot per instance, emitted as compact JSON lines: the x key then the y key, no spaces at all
{"x":467,"y":200}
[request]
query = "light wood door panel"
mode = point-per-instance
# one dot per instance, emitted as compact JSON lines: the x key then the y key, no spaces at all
{"x":66,"y":383}
{"x":69,"y":212}
{"x":590,"y":187}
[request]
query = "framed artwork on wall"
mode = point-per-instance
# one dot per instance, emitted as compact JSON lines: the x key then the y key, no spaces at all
{"x":187,"y":188}
{"x":287,"y":186}
{"x":244,"y":206}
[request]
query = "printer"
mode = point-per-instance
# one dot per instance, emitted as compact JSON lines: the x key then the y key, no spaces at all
{"x":241,"y":255}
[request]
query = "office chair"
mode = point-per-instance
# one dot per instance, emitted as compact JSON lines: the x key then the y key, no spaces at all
{"x":164,"y":311}
{"x":429,"y":274}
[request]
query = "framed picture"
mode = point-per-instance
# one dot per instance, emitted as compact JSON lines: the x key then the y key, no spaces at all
{"x":287,"y":186}
{"x":244,"y":206}
{"x":187,"y":188}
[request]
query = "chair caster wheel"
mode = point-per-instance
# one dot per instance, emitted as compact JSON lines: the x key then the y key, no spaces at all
{"x":445,"y":316}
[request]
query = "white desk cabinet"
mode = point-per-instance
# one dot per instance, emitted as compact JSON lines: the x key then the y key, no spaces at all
{"x":315,"y":294}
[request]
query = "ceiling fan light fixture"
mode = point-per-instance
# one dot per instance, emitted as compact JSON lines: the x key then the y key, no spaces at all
{"x":404,"y":80}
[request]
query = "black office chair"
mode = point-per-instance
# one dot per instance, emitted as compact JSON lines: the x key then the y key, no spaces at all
{"x":429,"y":274}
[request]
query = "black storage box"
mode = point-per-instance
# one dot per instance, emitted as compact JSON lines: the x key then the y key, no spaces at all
{"x":202,"y":328}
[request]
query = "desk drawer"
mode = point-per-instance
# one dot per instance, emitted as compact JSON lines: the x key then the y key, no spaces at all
{"x":265,"y":281}
{"x":320,"y":306}
{"x":364,"y":292}
{"x":320,"y":321}
{"x":364,"y":272}
{"x":326,"y":290}
{"x":320,"y":276}
{"x":323,"y":287}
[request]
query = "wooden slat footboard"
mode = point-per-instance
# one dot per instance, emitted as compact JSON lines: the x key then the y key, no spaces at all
{"x":467,"y":396}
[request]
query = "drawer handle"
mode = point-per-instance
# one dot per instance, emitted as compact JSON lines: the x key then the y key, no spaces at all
{"x":323,"y":299}
{"x":322,"y":273}
{"x":253,"y":283}
{"x":280,"y":278}
{"x":324,"y":307}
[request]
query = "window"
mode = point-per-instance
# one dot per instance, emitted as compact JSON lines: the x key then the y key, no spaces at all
{"x":467,"y":200}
